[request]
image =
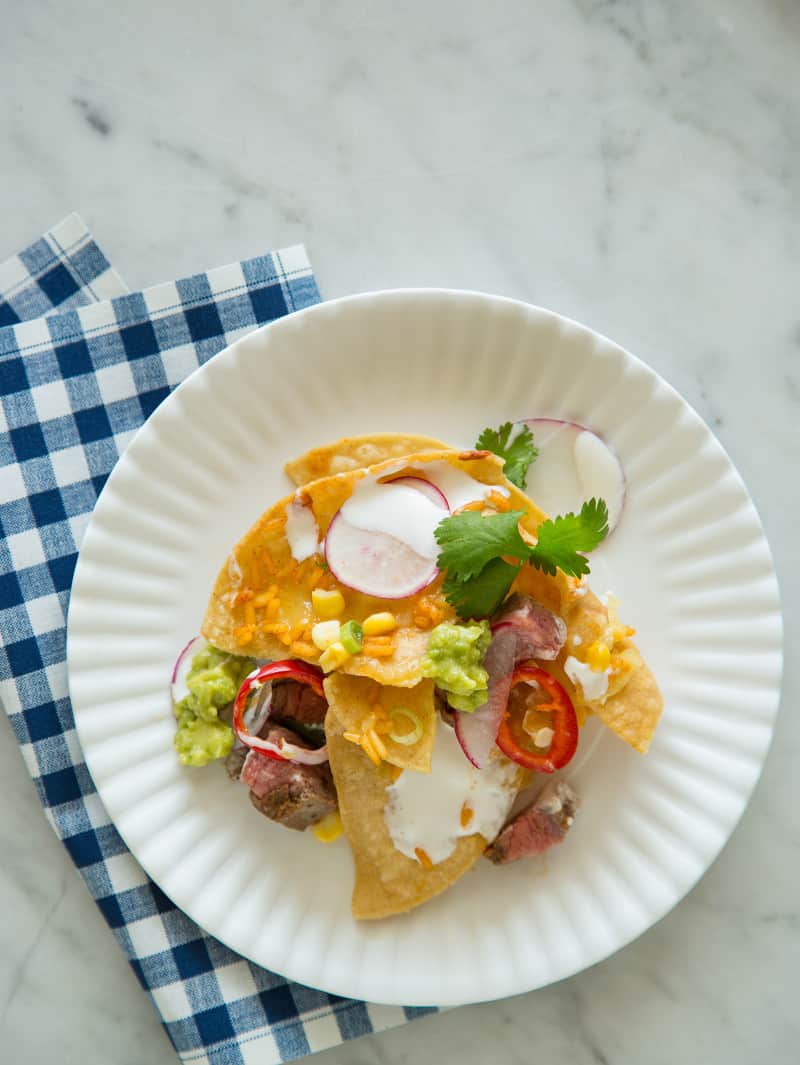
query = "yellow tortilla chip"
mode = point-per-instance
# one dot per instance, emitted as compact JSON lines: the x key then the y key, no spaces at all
{"x":356,"y":453}
{"x":239,"y":618}
{"x":386,"y":881}
{"x":354,"y":699}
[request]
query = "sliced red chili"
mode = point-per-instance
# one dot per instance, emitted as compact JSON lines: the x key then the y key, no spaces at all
{"x":562,"y":719}
{"x":286,"y":669}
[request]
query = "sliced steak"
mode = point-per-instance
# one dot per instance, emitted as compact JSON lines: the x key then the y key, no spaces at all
{"x":522,"y":630}
{"x":290,"y":793}
{"x":539,"y":632}
{"x":538,"y":827}
{"x":235,"y":761}
{"x":298,"y":702}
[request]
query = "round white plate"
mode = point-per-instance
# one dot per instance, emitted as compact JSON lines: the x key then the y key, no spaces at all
{"x":689,"y":561}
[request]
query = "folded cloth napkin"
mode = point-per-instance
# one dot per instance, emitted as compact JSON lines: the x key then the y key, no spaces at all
{"x":74,"y":388}
{"x":64,"y":268}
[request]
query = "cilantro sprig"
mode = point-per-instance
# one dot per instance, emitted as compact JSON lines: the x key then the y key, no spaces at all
{"x":481,"y":556}
{"x":515,"y":445}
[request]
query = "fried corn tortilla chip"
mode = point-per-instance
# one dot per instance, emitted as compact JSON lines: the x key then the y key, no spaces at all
{"x":356,"y":453}
{"x":386,"y":881}
{"x":260,"y":569}
{"x":261,"y":602}
{"x":353,"y":699}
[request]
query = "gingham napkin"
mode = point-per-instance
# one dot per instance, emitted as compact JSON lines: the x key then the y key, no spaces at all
{"x":74,"y":388}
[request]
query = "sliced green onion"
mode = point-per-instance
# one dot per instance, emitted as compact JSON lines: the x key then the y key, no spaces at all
{"x":407,"y":739}
{"x":351,"y":637}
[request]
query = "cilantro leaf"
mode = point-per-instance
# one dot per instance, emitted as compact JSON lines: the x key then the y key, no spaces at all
{"x":560,"y":541}
{"x":480,"y":596}
{"x":517,"y":450}
{"x":469,"y":540}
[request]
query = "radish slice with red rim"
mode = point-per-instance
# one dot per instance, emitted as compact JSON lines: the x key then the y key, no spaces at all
{"x":436,"y":495}
{"x":375,"y":563}
{"x":183,"y":663}
{"x":381,"y":541}
{"x":574,"y":464}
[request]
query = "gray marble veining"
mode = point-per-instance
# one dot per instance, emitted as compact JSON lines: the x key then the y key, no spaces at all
{"x":633,"y":165}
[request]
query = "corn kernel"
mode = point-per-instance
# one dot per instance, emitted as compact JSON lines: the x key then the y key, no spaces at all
{"x":327,"y":604}
{"x":598,"y":656}
{"x":324,"y":633}
{"x":249,"y":613}
{"x":333,"y":657}
{"x":329,"y":828}
{"x":379,"y":624}
{"x":273,"y":608}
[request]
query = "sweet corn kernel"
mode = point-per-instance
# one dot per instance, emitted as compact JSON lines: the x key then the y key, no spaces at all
{"x":327,"y":604}
{"x":324,"y":633}
{"x":273,"y":608}
{"x":250,"y":613}
{"x":329,"y":828}
{"x":333,"y":657}
{"x":598,"y":656}
{"x":379,"y":624}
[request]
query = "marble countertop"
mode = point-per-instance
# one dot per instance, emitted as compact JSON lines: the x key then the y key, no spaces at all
{"x":635,"y":166}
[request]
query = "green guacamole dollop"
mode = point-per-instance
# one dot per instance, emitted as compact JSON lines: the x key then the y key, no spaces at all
{"x":213,"y":681}
{"x":453,"y":662}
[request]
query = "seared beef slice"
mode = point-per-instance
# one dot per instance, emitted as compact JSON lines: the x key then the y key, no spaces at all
{"x":533,"y":831}
{"x":293,"y":794}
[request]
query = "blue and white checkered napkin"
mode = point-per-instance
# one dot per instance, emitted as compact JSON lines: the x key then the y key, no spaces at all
{"x":74,"y":388}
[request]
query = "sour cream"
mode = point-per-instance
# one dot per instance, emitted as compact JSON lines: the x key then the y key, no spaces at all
{"x":457,"y":487}
{"x":593,"y":685}
{"x":423,"y":810}
{"x":395,"y":510}
{"x":302,"y":533}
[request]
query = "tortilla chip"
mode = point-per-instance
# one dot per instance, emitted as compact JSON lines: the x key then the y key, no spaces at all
{"x":634,"y":711}
{"x":353,"y":699}
{"x":356,"y":453}
{"x":262,"y":559}
{"x":386,"y":881}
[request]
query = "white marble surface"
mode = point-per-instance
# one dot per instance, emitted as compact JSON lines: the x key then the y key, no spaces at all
{"x":634,"y":165}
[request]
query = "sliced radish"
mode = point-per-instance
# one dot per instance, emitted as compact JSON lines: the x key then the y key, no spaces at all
{"x":374,"y":562}
{"x":255,"y":716}
{"x":436,"y":495}
{"x":183,"y":663}
{"x":574,"y":465}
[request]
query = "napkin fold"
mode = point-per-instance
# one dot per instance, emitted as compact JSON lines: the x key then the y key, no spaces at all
{"x":75,"y":386}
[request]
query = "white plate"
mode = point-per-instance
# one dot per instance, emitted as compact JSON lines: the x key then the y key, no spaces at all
{"x":689,"y":561}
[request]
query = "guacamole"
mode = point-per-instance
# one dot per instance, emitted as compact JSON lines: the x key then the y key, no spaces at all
{"x":453,"y":662}
{"x":213,"y":681}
